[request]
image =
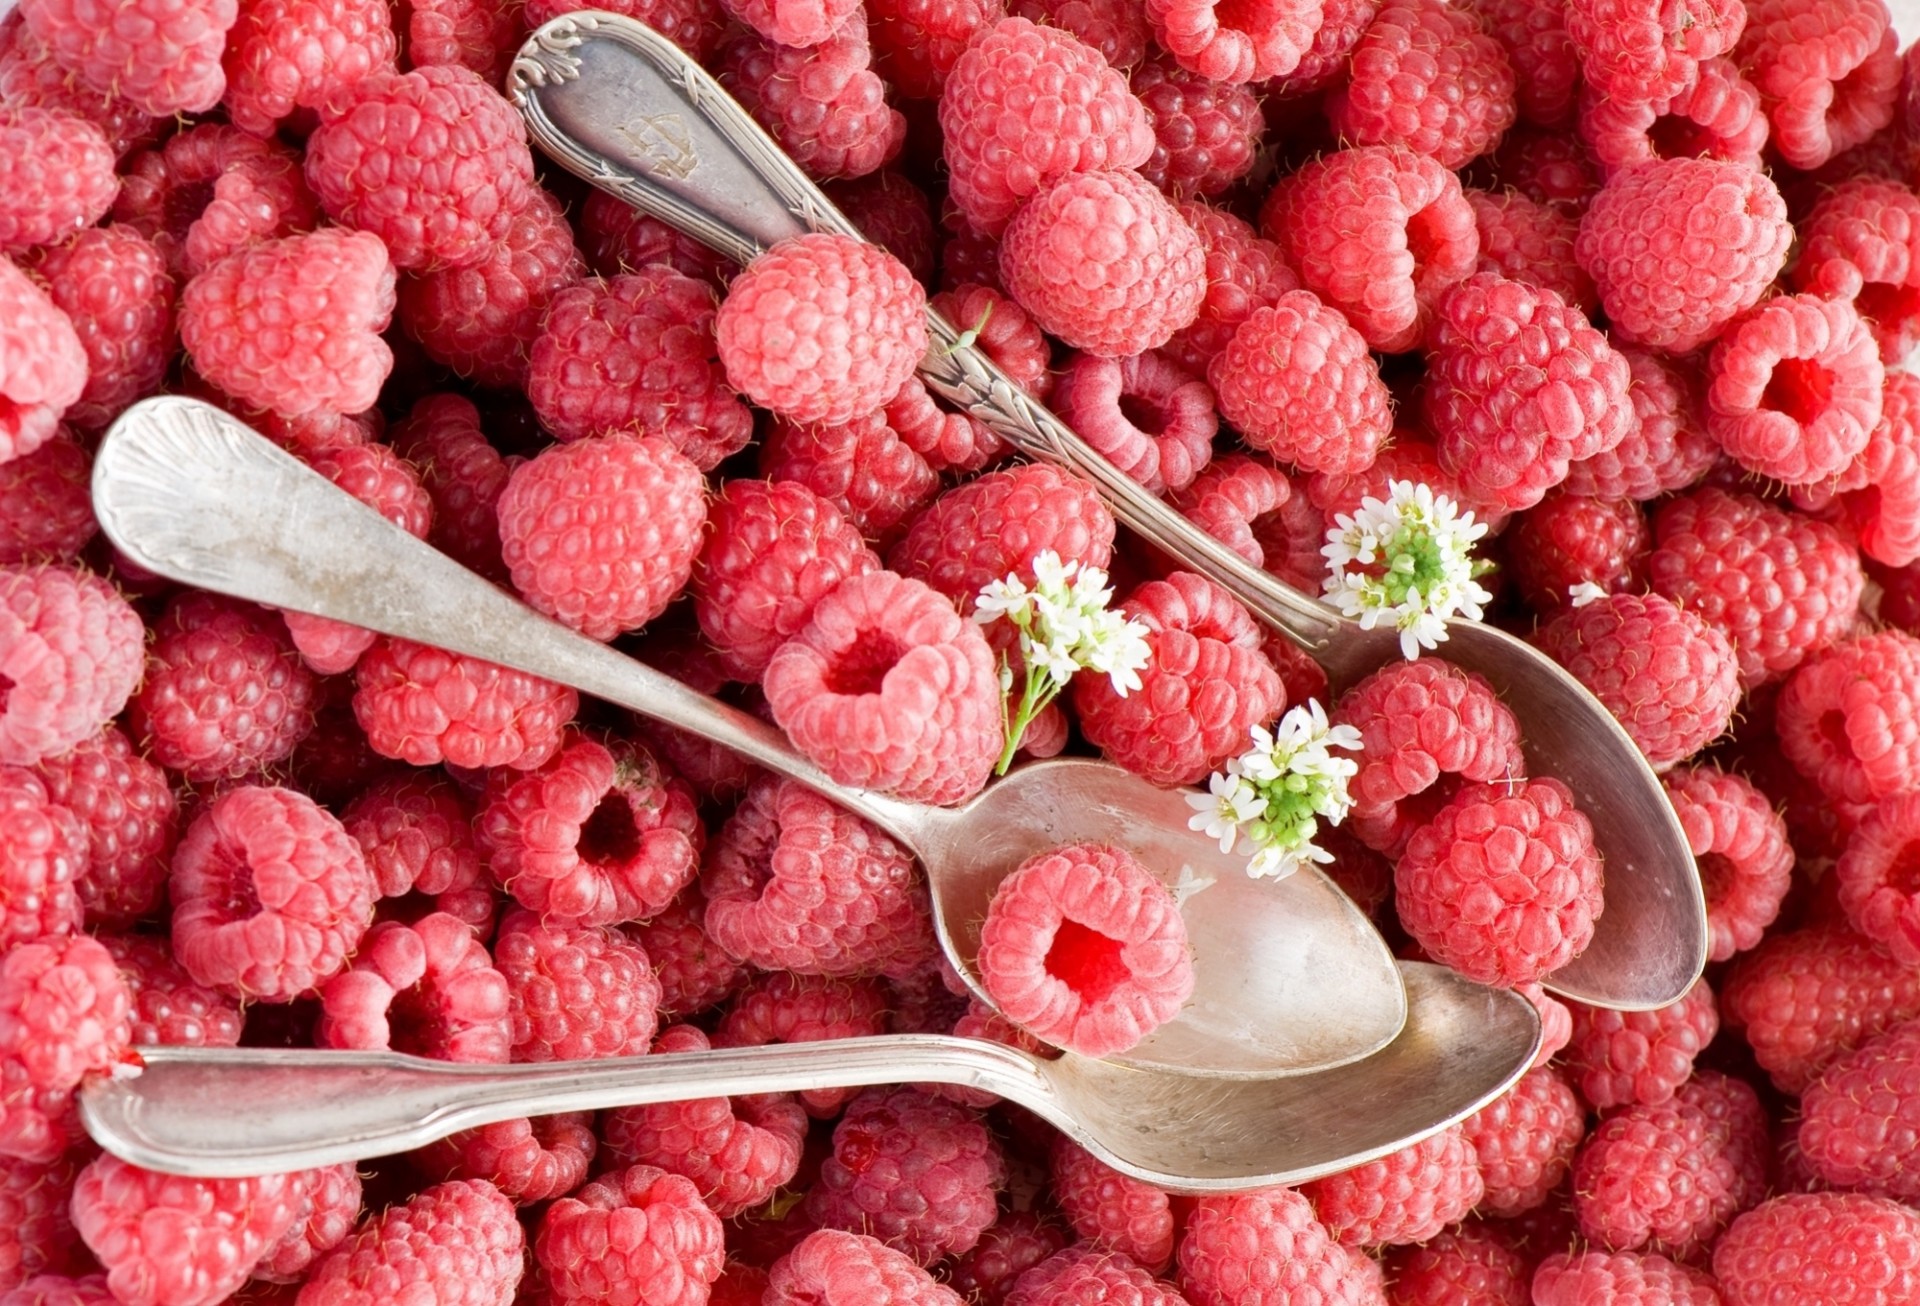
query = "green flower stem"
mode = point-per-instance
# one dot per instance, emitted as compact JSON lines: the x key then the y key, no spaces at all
{"x":1041,"y":689}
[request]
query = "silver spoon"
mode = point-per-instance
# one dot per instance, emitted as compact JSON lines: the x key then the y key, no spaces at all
{"x":1289,"y":975}
{"x":624,"y":108}
{"x":218,"y":1112}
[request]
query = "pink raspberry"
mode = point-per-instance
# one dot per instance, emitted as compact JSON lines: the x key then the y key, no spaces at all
{"x":994,"y":527}
{"x":892,"y":211}
{"x":1299,"y":384}
{"x":1621,"y":1279}
{"x":823,"y":104}
{"x":1841,"y":1249}
{"x":341,"y":286}
{"x":887,"y":687}
{"x":1621,"y":1057}
{"x":830,"y":1267}
{"x":530,"y":1160}
{"x":792,"y":22}
{"x":1146,"y":415}
{"x":64,"y":1014}
{"x":1407,"y":1196}
{"x":1662,"y":1177}
{"x":796,"y":883}
{"x":1244,"y":272}
{"x":1853,"y":1115}
{"x":693,"y":25}
{"x":1471,"y":1263}
{"x":1861,"y":241}
{"x":1012,"y":1245}
{"x":1084,"y":948}
{"x":1235,"y":43}
{"x":464,"y":474}
{"x":1569,"y":539}
{"x":618,"y":239}
{"x":425,"y":705}
{"x":169,"y":1007}
{"x":129,"y":818}
{"x":1110,"y":1210}
{"x":1678,"y":248}
{"x":773,"y":549}
{"x":1342,"y":24}
{"x":915,"y":1171}
{"x":479,"y":34}
{"x":70,"y":657}
{"x":169,"y":1240}
{"x":1641,"y":49}
{"x":1417,"y":237}
{"x":1105,"y":262}
{"x":1265,"y":1245}
{"x":214,"y":190}
{"x":43,"y":365}
{"x":163,"y":58}
{"x":1880,"y":492}
{"x":57,"y":169}
{"x":787,"y":1008}
{"x":1740,"y":845}
{"x":1003,"y":331}
{"x":1716,"y":115}
{"x":1206,"y":133}
{"x":43,"y":850}
{"x":1874,"y":876}
{"x":1524,"y":1141}
{"x":1548,"y":167}
{"x":1084,"y":1276}
{"x":113,"y":285}
{"x":31,"y":75}
{"x":1426,"y":75}
{"x":1546,"y":67}
{"x":575,"y":992}
{"x":35,"y":1202}
{"x":738,"y":1152}
{"x":1828,"y":73}
{"x":333,"y":1208}
{"x":285,"y":55}
{"x":639,"y":1234}
{"x":455,"y":1244}
{"x":1845,"y":718}
{"x":434,"y":161}
{"x":862,"y":467}
{"x":416,"y":832}
{"x":1532,"y":242}
{"x":1668,"y":449}
{"x":916,"y":42}
{"x":945,"y":441}
{"x":46,"y":505}
{"x":428,"y":989}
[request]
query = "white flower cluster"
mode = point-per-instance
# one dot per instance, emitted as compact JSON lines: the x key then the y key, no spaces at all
{"x":1407,"y":561}
{"x":1277,"y":792}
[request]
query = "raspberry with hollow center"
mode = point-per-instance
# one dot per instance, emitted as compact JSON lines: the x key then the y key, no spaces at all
{"x":1717,"y":115}
{"x":1235,"y":43}
{"x":1146,"y":415}
{"x":1426,"y":75}
{"x":1846,"y":718}
{"x":530,"y":1160}
{"x":1861,"y":241}
{"x":214,"y":190}
{"x":1879,"y":876}
{"x":428,"y":989}
{"x":1828,"y":74}
{"x":1740,"y":845}
{"x":416,"y":832}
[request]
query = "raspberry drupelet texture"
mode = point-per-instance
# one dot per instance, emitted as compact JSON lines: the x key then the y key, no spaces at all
{"x":1207,"y":684}
{"x":792,"y":22}
{"x":1843,"y":1249}
{"x":1417,"y":237}
{"x":1645,"y":50}
{"x":1875,"y":875}
{"x":1471,"y":1263}
{"x":70,"y":657}
{"x":831,"y":1267}
{"x":43,"y":850}
{"x":1667,"y":449}
{"x":1234,"y":43}
{"x":284,"y":55}
{"x":887,"y":687}
{"x":424,"y":705}
{"x":1266,"y":1245}
{"x":58,"y":172}
{"x":43,"y":365}
{"x":1297,"y":381}
{"x":1678,"y":248}
{"x":863,"y":467}
{"x":618,"y":239}
{"x":35,"y":1201}
{"x":1546,"y":67}
{"x":428,"y":989}
{"x":64,"y":1014}
{"x":1524,"y":1141}
{"x":164,"y":59}
{"x":1622,"y":1279}
{"x":822,"y":328}
{"x":1845,"y":718}
{"x":1206,"y":133}
{"x":1855,"y":1117}
{"x":168,"y":1007}
{"x":1717,"y":115}
{"x":601,"y":533}
{"x":130,"y":818}
{"x":1011,"y":1245}
{"x":1003,"y":331}
{"x":1879,"y":497}
{"x":46,"y":507}
{"x":1087,"y":1275}
{"x":638,"y":1234}
{"x":333,"y":288}
{"x":30,"y":74}
{"x":795,"y":883}
{"x":1664,"y":1178}
{"x":823,"y":104}
{"x":1532,"y":242}
{"x":1429,"y":76}
{"x":454,"y":1244}
{"x":1245,"y":271}
{"x":1085,"y":949}
{"x":1407,"y":1196}
{"x":1110,"y":1210}
{"x":1147,"y":415}
{"x":1249,"y":504}
{"x":786,"y":1008}
{"x":416,"y":832}
{"x":575,"y":992}
{"x":113,"y":285}
{"x":1861,"y":241}
{"x":1621,"y":1057}
{"x":1829,"y":74}
{"x":332,"y":1209}
{"x":530,"y":1160}
{"x":893,"y":211}
{"x":994,"y":527}
{"x":1570,"y":539}
{"x":1740,"y":845}
{"x":1104,"y":261}
{"x":211,"y":191}
{"x":442,"y":437}
{"x":917,"y":42}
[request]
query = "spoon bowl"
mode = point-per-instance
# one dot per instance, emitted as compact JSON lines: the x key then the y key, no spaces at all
{"x":1290,"y":977}
{"x":622,"y":107}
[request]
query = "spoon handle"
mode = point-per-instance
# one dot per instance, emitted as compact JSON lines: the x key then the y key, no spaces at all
{"x":625,"y":109}
{"x":223,"y":1112}
{"x":190,"y":492}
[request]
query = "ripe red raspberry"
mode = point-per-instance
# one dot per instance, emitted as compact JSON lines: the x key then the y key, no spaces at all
{"x":1003,"y":331}
{"x":38,"y":1237}
{"x":454,"y":1244}
{"x":1418,"y":237}
{"x":1778,"y":585}
{"x":915,"y":42}
{"x":31,"y":75}
{"x":70,"y":656}
{"x":1622,"y":1057}
{"x":795,"y":883}
{"x":945,"y":441}
{"x":1667,"y":449}
{"x":916,"y":1171}
{"x":530,"y":1160}
{"x":1086,"y":1275}
{"x":1105,"y":262}
{"x":270,"y":894}
{"x":1531,"y":242}
{"x":1146,"y":415}
{"x":341,"y":286}
{"x":1244,"y":272}
{"x":129,"y":818}
{"x":57,"y":168}
{"x":1740,"y":845}
{"x":1874,"y":876}
{"x":211,"y":191}
{"x":43,"y":365}
{"x":830,"y":1267}
{"x":1205,"y":132}
{"x":994,"y":527}
{"x":618,"y":239}
{"x":1471,"y":1263}
{"x":168,"y":1006}
{"x":1426,"y":75}
{"x":43,"y":850}
{"x":428,"y":989}
{"x":1235,"y":43}
{"x":332,"y":1210}
{"x":792,"y":22}
{"x":1716,"y":115}
{"x":1829,"y":74}
{"x":1264,"y":1245}
{"x":1548,"y":167}
{"x":693,"y":25}
{"x":1252,"y":507}
{"x":425,"y":705}
{"x":1845,"y":718}
{"x":1852,"y":1115}
{"x":1013,"y":1244}
{"x":1879,"y":493}
{"x":887,"y":687}
{"x":824,"y":105}
{"x":575,"y":992}
{"x":46,"y":505}
{"x":1524,"y":1141}
{"x":1662,"y":1177}
{"x":113,"y":285}
{"x":284,"y":55}
{"x":1861,"y":241}
{"x":787,"y":1008}
{"x":1110,"y":1210}
{"x":170,"y":1240}
{"x":737,"y":1152}
{"x":1299,"y":384}
{"x":1620,"y":1279}
{"x":416,"y":832}
{"x":163,"y":58}
{"x":1840,"y":1249}
{"x":1567,"y":540}
{"x":862,"y":467}
{"x":434,"y":161}
{"x":894,"y":212}
{"x":1640,"y":49}
{"x":1407,"y":1196}
{"x":1678,"y":248}
{"x":639,"y":1234}
{"x":64,"y":1014}
{"x":463,"y":473}
{"x":1545,"y":64}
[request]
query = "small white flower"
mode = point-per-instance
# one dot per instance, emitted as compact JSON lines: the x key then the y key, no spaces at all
{"x":1188,"y":884}
{"x":1405,"y":561}
{"x":1297,"y":778}
{"x":1230,"y":804}
{"x":1007,"y":598}
{"x":1584,"y":593}
{"x":1051,"y":576}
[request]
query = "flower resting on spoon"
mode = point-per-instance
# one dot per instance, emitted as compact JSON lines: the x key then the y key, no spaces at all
{"x":1065,"y":626}
{"x":1407,"y":560}
{"x":1277,"y":791}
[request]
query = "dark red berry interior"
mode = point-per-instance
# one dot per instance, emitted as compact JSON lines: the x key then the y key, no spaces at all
{"x":1242,"y":15}
{"x":863,"y":668}
{"x":1676,"y":136}
{"x":1423,"y":240}
{"x":1086,"y":961}
{"x":1799,"y":387}
{"x":415,"y":1024}
{"x":1833,"y":729}
{"x":1880,"y":301}
{"x":1903,"y":874}
{"x":1716,"y":877}
{"x":1143,"y":413}
{"x":609,"y":836}
{"x":6,"y":691}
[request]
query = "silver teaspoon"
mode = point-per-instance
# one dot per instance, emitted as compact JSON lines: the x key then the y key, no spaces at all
{"x":1289,"y":975}
{"x":217,"y":1112}
{"x":624,"y":108}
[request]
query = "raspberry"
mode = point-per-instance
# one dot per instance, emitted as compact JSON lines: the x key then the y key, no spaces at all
{"x":529,"y":1160}
{"x":862,"y":467}
{"x":1003,"y":331}
{"x":1244,"y":272}
{"x":425,"y":705}
{"x":463,"y":473}
{"x":163,"y":58}
{"x":454,"y":1244}
{"x":716,"y":774}
{"x":63,"y":1015}
{"x":1660,"y":1177}
{"x":1249,"y":505}
{"x":416,"y":832}
{"x":915,"y":1171}
{"x":1829,"y":74}
{"x":1740,"y":846}
{"x":1524,"y":1141}
{"x":737,"y":1152}
{"x":1428,"y":76}
{"x":1547,"y":167}
{"x":1545,"y":64}
{"x":892,"y":212}
{"x":435,"y":162}
{"x":57,"y":168}
{"x":1084,"y":948}
{"x":1845,"y":718}
{"x":1622,"y":1057}
{"x":1882,"y":503}
{"x":169,"y":1008}
{"x":1418,"y":237}
{"x":1643,"y":50}
{"x":1088,"y":1275}
{"x":1207,"y":684}
{"x":43,"y":849}
{"x":1531,"y":242}
{"x":340,"y":285}
{"x":1105,"y":262}
{"x":693,"y":25}
{"x":1841,"y":1249}
{"x":333,"y":1208}
{"x":1235,"y":43}
{"x":428,"y":989}
{"x":479,"y":34}
{"x":212,"y":191}
{"x":1621,"y":1279}
{"x":1012,"y":1245}
{"x":1861,"y":241}
{"x":482,"y":318}
{"x":43,"y":365}
{"x":639,"y":1234}
{"x":1876,"y":879}
{"x":824,"y":104}
{"x":575,"y":992}
{"x":1407,"y":1196}
{"x":113,"y":285}
{"x":887,"y":687}
{"x":1110,"y":1210}
{"x":1716,"y":115}
{"x":830,"y":1267}
{"x":130,"y":820}
{"x":1205,"y":132}
{"x":38,"y":1238}
{"x":785,"y":1008}
{"x":915,"y":42}
{"x":1667,"y":449}
{"x":284,"y":55}
{"x":795,"y":883}
{"x":1145,"y":414}
{"x":30,"y":75}
{"x":1299,"y":384}
{"x":1855,"y":1113}
{"x":1471,"y":1263}
{"x":1026,"y":106}
{"x":169,"y":1240}
{"x":1265,"y":1245}
{"x":995,"y":526}
{"x":618,"y":239}
{"x":61,"y":1290}
{"x":1569,"y":539}
{"x":46,"y":508}
{"x":1678,"y":248}
{"x":1779,"y":586}
{"x":792,"y":22}
{"x":70,"y":652}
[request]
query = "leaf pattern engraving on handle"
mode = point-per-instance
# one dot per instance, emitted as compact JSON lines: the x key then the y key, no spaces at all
{"x":548,"y":58}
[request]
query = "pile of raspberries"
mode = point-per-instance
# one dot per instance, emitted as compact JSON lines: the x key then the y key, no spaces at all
{"x":1632,"y":280}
